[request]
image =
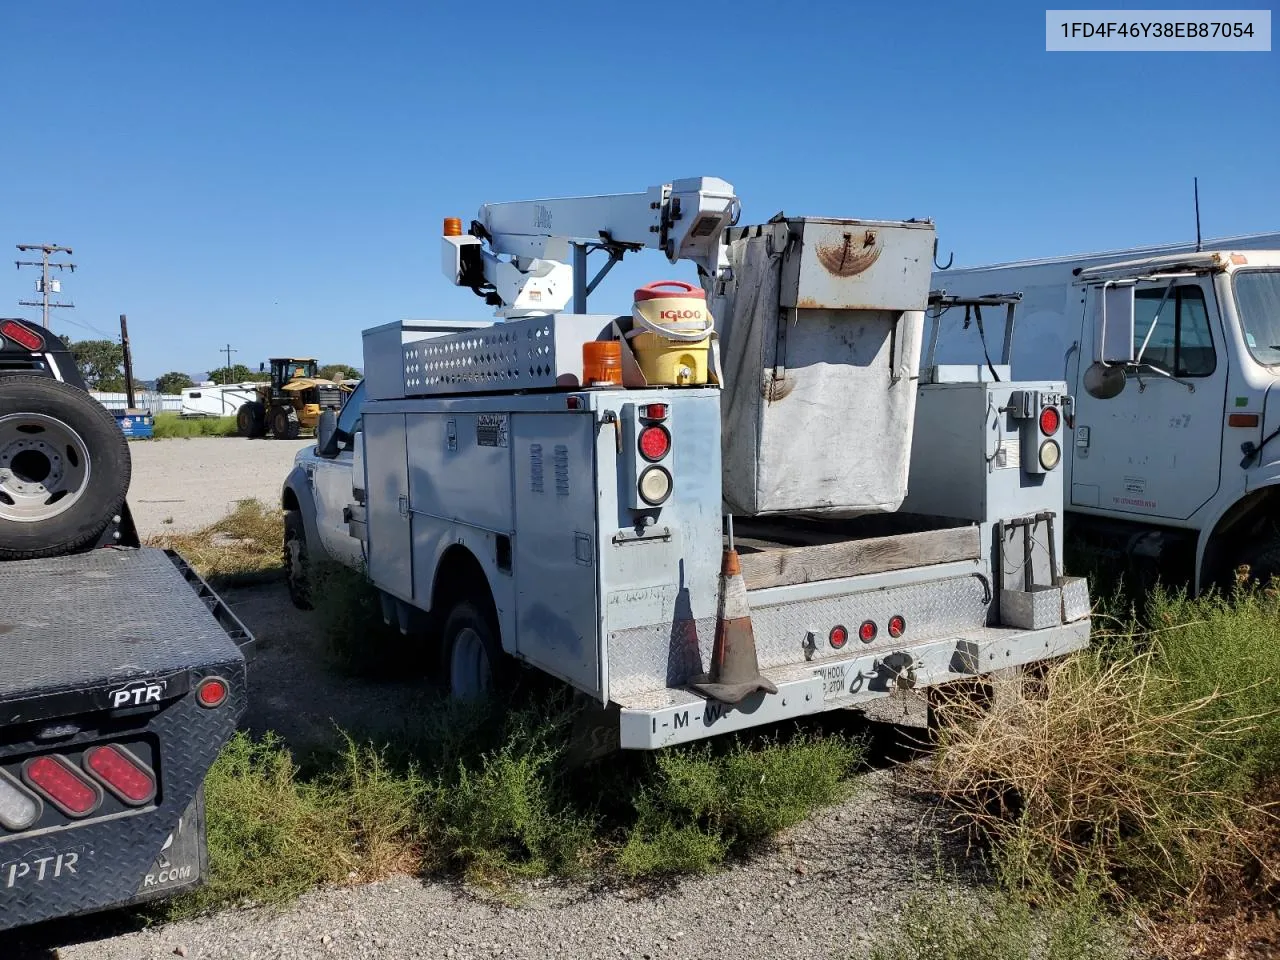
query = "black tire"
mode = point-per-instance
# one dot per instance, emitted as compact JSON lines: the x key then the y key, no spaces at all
{"x":284,"y":423}
{"x":296,"y":560}
{"x":470,"y":618}
{"x":58,"y":446}
{"x":251,"y":419}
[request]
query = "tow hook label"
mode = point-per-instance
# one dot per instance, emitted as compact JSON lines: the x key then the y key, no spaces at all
{"x":33,"y":869}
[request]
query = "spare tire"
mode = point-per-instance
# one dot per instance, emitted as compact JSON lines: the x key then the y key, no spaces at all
{"x":64,"y":468}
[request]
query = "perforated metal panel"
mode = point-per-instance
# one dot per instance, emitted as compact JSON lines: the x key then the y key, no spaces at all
{"x":532,"y":354}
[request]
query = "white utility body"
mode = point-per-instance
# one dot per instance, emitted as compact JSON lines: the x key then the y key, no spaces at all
{"x":1173,"y":454}
{"x":505,"y":510}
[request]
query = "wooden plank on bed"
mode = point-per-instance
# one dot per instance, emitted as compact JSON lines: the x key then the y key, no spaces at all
{"x":786,"y":566}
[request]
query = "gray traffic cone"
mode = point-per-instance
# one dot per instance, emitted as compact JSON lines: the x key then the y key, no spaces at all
{"x":735,"y":671}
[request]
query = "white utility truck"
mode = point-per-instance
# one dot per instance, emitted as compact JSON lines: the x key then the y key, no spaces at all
{"x":1172,"y":355}
{"x":705,"y":531}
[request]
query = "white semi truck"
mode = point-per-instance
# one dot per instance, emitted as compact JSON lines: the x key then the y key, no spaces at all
{"x":806,"y":527}
{"x":1172,"y":355}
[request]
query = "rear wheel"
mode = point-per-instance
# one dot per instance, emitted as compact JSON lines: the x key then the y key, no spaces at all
{"x":284,"y":423}
{"x":64,"y":468}
{"x":295,"y":560}
{"x":477,"y":666}
{"x":250,"y":419}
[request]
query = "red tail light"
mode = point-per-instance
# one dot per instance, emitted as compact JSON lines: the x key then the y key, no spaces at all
{"x":64,"y":786}
{"x":838,"y":637}
{"x":21,"y":335}
{"x":122,"y":773}
{"x":867,"y":632}
{"x":897,"y":626}
{"x":212,"y":692}
{"x":655,"y":442}
{"x":1050,"y":420}
{"x":654,"y":411}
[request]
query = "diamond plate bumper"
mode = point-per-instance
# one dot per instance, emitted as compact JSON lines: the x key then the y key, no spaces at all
{"x":662,"y":718}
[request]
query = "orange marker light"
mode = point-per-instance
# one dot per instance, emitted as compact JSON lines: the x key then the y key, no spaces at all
{"x":452,"y":227}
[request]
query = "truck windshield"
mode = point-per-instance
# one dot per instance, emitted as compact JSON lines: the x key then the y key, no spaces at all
{"x":1258,"y":304}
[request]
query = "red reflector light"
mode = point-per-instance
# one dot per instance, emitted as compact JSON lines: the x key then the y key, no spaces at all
{"x":654,"y":411}
{"x":122,"y":773}
{"x":867,"y":632}
{"x":897,"y":626}
{"x":655,"y":442}
{"x":21,"y":335}
{"x":63,"y":785}
{"x":839,"y":636}
{"x":1050,"y":420}
{"x":1242,"y":420}
{"x":573,"y":403}
{"x":211,"y":692}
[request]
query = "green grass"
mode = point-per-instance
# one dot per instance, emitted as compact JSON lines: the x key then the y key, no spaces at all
{"x":169,"y":425}
{"x":1143,"y":763}
{"x":486,"y":794}
{"x":994,"y":925}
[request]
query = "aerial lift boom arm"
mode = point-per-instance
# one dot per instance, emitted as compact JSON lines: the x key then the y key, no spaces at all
{"x":529,"y":257}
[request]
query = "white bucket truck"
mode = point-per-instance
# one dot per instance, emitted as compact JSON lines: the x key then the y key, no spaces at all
{"x":706,"y":558}
{"x":1172,"y":354}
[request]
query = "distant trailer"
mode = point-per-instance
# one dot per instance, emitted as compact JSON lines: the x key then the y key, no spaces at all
{"x":217,"y":400}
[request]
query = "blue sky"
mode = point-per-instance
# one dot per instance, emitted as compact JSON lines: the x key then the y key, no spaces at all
{"x":274,"y":174}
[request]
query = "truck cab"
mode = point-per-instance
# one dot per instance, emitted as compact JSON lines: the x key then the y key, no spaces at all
{"x":1172,"y":359}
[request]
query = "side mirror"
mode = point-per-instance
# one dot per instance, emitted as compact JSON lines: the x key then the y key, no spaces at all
{"x":326,"y":431}
{"x":262,"y":368}
{"x":1113,"y":326}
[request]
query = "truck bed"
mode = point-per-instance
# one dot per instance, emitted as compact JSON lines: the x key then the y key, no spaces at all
{"x":784,"y":551}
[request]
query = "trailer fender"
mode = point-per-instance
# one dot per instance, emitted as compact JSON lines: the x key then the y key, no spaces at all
{"x":1226,"y":533}
{"x":296,"y":495}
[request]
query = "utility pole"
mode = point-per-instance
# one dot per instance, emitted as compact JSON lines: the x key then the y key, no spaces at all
{"x":44,"y":286}
{"x":228,"y":351}
{"x":128,"y":362}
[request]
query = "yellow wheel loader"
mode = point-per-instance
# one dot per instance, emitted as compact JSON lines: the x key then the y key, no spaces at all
{"x":291,"y":401}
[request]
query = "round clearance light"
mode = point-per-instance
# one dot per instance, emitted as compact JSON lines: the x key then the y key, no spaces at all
{"x":212,"y":692}
{"x":838,"y":637}
{"x":655,"y":443}
{"x":897,"y":626}
{"x":655,"y":486}
{"x":19,"y":808}
{"x":867,"y":632}
{"x":1050,"y":420}
{"x":1050,"y":454}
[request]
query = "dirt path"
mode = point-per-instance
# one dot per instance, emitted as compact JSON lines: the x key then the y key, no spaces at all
{"x":187,"y":484}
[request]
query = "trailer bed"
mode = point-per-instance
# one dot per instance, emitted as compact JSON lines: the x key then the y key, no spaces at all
{"x":67,"y":623}
{"x":107,"y":650}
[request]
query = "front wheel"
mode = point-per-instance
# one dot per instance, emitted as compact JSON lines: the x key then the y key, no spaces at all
{"x":477,"y":665}
{"x":284,"y":423}
{"x":295,"y":560}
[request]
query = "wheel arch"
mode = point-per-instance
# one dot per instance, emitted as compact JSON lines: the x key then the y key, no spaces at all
{"x":296,"y":495}
{"x":1232,"y":530}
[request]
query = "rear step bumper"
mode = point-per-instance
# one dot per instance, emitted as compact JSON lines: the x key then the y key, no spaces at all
{"x":662,"y":718}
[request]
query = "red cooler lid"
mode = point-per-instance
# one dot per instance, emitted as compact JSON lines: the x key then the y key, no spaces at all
{"x":653,"y":291}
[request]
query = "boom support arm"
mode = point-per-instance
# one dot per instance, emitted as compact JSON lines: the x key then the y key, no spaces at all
{"x":520,"y":255}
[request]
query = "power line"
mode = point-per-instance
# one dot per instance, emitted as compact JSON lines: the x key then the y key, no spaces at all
{"x":43,"y":285}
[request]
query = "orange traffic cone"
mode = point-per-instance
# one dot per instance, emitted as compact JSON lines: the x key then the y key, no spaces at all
{"x":735,"y":671}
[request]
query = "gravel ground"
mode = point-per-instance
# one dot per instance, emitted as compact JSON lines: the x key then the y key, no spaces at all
{"x":819,"y":891}
{"x":187,"y":484}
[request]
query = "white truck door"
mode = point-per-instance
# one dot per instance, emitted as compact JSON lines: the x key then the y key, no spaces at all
{"x":1155,"y":449}
{"x":333,"y":490}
